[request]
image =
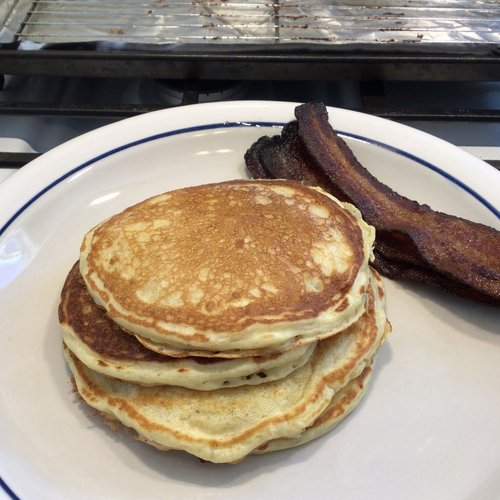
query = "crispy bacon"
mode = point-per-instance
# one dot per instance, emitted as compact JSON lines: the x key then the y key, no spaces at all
{"x":413,"y":241}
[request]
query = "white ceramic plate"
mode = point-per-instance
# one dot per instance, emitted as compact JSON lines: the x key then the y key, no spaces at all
{"x":429,"y":424}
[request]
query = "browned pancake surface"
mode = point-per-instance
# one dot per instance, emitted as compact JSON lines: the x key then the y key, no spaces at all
{"x":200,"y":258}
{"x":94,"y":327}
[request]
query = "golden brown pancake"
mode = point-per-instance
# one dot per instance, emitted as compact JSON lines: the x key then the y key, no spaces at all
{"x":101,"y":345}
{"x":167,"y":350}
{"x":234,"y":265}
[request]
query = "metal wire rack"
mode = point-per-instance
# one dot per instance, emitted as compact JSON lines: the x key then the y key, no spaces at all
{"x":255,"y":21}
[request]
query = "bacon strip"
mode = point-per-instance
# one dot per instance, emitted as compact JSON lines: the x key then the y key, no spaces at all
{"x":413,"y":241}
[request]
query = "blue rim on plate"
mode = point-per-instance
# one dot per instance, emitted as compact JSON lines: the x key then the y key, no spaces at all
{"x":199,"y":128}
{"x":3,"y":485}
{"x":210,"y":126}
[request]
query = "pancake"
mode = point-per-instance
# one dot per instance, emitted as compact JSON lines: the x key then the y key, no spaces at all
{"x":291,"y":344}
{"x":294,"y":343}
{"x":234,"y":265}
{"x":342,"y":404}
{"x":100,"y":344}
{"x":167,"y":350}
{"x":225,"y":425}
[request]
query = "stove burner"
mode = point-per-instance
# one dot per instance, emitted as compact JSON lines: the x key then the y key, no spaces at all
{"x":175,"y":92}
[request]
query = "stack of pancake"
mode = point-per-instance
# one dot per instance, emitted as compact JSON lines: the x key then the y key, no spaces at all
{"x":227,"y":319}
